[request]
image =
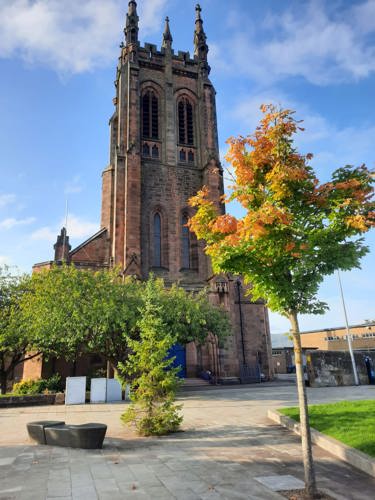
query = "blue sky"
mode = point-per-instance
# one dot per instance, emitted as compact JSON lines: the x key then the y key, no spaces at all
{"x":57,"y":67}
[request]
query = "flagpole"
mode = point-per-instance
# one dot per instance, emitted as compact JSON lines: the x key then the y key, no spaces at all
{"x":66,"y":228}
{"x":348,"y":334}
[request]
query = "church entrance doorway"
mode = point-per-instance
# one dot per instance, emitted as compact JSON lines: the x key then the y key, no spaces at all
{"x":178,"y":351}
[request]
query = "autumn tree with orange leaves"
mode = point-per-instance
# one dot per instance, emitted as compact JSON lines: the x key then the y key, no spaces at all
{"x":293,"y":233}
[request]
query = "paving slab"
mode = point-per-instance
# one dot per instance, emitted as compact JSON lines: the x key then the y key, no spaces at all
{"x":227,"y":444}
{"x":281,"y":483}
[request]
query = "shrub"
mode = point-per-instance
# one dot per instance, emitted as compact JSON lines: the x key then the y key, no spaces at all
{"x":38,"y":386}
{"x":154,"y":382}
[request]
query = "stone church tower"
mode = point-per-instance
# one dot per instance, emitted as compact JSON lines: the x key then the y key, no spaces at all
{"x":163,"y":149}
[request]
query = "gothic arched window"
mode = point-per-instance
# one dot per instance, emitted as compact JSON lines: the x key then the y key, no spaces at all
{"x":150,"y":115}
{"x":146,"y":149}
{"x":182,"y":155}
{"x":157,"y":241}
{"x":185,"y":243}
{"x":185,"y":122}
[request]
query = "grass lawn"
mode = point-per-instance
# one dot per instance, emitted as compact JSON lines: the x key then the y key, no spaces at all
{"x":351,"y":422}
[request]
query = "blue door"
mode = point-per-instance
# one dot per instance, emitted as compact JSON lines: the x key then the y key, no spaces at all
{"x":178,"y":352}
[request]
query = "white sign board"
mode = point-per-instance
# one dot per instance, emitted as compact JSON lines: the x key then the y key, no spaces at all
{"x":114,"y":391}
{"x":75,"y":390}
{"x":98,"y":390}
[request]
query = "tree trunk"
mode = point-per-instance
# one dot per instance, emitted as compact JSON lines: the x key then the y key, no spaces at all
{"x":303,"y":410}
{"x":3,"y":382}
{"x":110,"y":370}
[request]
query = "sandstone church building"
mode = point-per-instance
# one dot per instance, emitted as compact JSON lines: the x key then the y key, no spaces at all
{"x":163,"y":149}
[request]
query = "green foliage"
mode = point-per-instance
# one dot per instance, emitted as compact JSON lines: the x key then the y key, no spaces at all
{"x":163,"y":419}
{"x":14,"y":339}
{"x":71,"y":311}
{"x":38,"y":386}
{"x":294,"y":231}
{"x":189,"y":316}
{"x":153,"y":381}
{"x":351,"y":422}
{"x":58,"y":310}
{"x":66,"y":312}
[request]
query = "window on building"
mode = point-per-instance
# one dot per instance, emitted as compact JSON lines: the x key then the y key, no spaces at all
{"x":189,"y":247}
{"x":182,"y":155}
{"x":146,"y":150}
{"x":190,"y":157}
{"x":185,"y":122}
{"x":157,"y":241}
{"x":155,"y":151}
{"x":185,"y":243}
{"x":150,"y":115}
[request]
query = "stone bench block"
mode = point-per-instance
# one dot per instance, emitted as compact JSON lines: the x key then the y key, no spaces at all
{"x":36,"y":430}
{"x":86,"y":436}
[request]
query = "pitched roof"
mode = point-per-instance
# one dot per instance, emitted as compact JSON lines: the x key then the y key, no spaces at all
{"x":280,"y":340}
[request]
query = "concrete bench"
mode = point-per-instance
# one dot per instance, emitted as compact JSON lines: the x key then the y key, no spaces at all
{"x":86,"y":436}
{"x":36,"y":430}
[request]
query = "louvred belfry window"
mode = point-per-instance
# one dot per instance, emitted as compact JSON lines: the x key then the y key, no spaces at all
{"x":150,"y":115}
{"x":185,"y":122}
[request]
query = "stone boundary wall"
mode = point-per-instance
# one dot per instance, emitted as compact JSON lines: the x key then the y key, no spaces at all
{"x":35,"y":400}
{"x":340,"y":450}
{"x":334,"y":368}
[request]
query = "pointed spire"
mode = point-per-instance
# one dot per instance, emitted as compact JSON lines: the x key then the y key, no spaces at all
{"x":131,"y":27}
{"x":167,"y":36}
{"x":198,"y":19}
{"x":62,"y":246}
{"x":200,"y":45}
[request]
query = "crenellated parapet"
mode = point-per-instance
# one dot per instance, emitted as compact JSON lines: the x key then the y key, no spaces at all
{"x":150,"y":56}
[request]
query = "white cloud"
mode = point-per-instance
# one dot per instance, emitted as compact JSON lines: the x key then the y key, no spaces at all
{"x":80,"y":228}
{"x":77,"y":227}
{"x":69,"y":36}
{"x":331,"y":145}
{"x":74,"y":186}
{"x":45,"y":233}
{"x":7,"y":199}
{"x":316,"y":41}
{"x":11,"y":222}
{"x":5,"y":260}
{"x":247,"y":113}
{"x":364,"y":15}
{"x":151,"y":14}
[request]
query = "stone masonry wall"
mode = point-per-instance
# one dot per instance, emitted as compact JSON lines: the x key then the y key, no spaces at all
{"x":334,"y":368}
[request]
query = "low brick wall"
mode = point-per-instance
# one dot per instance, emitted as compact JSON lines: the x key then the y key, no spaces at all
{"x":36,"y":400}
{"x":334,"y":368}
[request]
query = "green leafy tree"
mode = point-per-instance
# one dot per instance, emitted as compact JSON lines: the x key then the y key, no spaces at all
{"x":14,"y":340}
{"x":70,"y":312}
{"x":56,"y":310}
{"x":153,"y":380}
{"x":189,"y":315}
{"x":113,"y":315}
{"x":293,"y":233}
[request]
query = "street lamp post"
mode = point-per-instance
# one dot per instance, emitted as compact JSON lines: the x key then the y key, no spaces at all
{"x":348,"y":334}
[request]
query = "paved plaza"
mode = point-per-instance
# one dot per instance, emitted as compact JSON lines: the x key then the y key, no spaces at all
{"x":226,"y":449}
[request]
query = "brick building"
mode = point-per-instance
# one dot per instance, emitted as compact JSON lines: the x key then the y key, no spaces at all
{"x":335,"y":339}
{"x":282,"y":353}
{"x":163,"y":149}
